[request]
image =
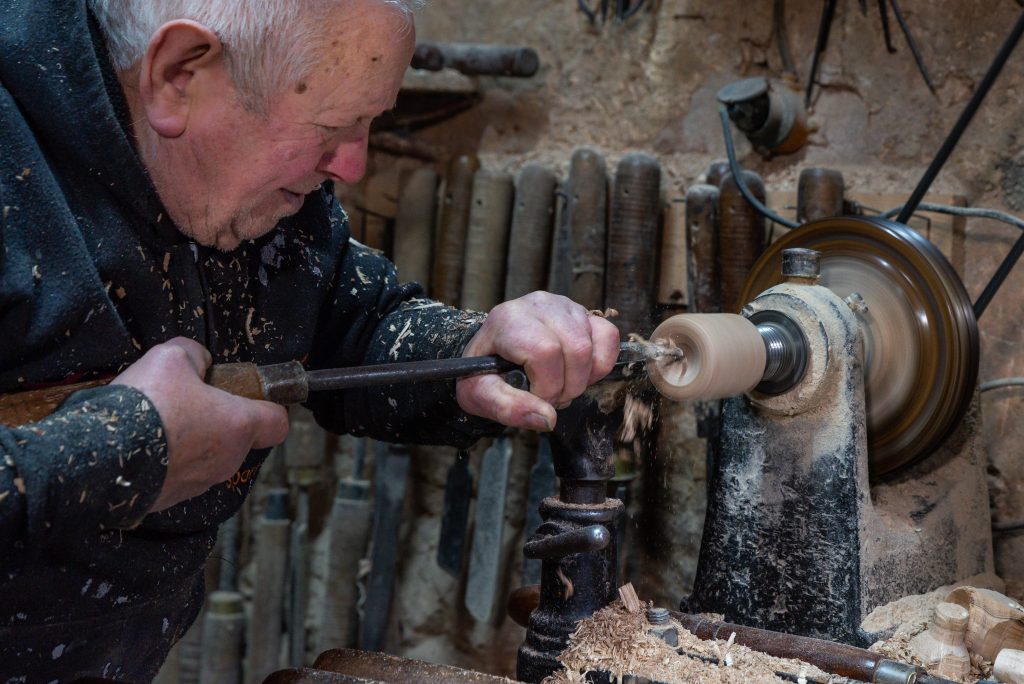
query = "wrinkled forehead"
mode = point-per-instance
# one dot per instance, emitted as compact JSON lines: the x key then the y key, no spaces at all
{"x":360,"y":36}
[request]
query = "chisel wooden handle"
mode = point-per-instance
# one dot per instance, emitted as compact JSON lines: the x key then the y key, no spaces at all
{"x":529,"y":244}
{"x":271,"y":383}
{"x":587,"y":216}
{"x":741,"y":235}
{"x":702,"y":238}
{"x":446,"y":277}
{"x":483,"y":279}
{"x":819,"y":194}
{"x":633,"y":242}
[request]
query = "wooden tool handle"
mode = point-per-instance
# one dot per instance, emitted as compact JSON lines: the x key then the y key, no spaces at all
{"x":632,"y":242}
{"x":19,"y":408}
{"x":27,"y":407}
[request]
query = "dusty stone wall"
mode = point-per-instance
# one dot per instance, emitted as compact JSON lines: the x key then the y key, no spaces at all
{"x":649,"y":85}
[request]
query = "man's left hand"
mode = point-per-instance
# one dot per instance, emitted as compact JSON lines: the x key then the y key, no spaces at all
{"x":563,"y":349}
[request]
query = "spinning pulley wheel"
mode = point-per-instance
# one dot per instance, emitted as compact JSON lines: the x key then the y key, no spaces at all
{"x":920,"y":332}
{"x":920,"y":335}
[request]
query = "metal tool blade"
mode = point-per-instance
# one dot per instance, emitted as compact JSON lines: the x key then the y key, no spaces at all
{"x":392,"y":470}
{"x":458,"y":491}
{"x":542,"y":485}
{"x":485,"y":553}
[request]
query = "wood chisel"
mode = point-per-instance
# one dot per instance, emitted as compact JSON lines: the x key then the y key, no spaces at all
{"x":290,"y":383}
{"x":458,"y":490}
{"x":488,"y":527}
{"x":390,"y":483}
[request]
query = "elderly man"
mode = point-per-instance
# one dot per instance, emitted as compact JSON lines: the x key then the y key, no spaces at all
{"x":166,"y":177}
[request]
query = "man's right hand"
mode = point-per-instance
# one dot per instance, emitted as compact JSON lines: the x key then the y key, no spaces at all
{"x":208,"y":431}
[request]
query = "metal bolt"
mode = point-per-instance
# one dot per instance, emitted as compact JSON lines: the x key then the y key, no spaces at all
{"x":856,"y":303}
{"x":657,"y":616}
{"x":798,"y":262}
{"x":662,"y":626}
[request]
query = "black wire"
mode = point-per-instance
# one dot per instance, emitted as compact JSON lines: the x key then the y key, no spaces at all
{"x":737,"y":174}
{"x":585,"y":8}
{"x":883,"y":9}
{"x":918,"y":59}
{"x":828,"y":12}
{"x":781,"y":37}
{"x":961,"y":124}
{"x":625,"y":11}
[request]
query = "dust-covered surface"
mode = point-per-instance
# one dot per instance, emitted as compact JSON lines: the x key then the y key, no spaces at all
{"x":617,"y":642}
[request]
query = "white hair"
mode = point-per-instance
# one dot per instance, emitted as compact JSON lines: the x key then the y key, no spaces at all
{"x":268,"y":44}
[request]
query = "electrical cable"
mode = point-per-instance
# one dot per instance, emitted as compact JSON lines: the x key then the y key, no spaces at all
{"x":1002,"y":382}
{"x":1009,"y":261}
{"x":972,"y":212}
{"x":737,"y":173}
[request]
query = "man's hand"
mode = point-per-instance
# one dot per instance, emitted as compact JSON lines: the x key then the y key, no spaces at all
{"x":209,"y":432}
{"x":562,"y":347}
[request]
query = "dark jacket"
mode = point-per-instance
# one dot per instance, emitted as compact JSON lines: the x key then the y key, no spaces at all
{"x":92,"y":274}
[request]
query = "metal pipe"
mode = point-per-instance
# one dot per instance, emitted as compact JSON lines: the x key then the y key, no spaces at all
{"x":961,"y":124}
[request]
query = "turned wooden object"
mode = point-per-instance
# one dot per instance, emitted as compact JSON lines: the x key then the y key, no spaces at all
{"x":995,"y":621}
{"x":942,"y":647}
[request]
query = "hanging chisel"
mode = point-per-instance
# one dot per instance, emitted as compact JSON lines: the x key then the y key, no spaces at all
{"x":458,"y":490}
{"x":542,"y":485}
{"x":392,"y":473}
{"x":485,"y":553}
{"x":290,"y":383}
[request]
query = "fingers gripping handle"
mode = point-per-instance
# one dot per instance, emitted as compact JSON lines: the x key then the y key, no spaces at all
{"x":283,"y":383}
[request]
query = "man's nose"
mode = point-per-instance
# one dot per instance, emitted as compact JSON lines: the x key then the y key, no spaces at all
{"x":346,"y":162}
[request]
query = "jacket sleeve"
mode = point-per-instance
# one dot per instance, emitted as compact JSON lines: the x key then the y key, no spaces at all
{"x":97,"y":463}
{"x":372,"y":318}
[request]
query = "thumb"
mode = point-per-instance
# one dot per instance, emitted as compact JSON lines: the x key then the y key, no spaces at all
{"x":269,"y":422}
{"x":489,"y":396}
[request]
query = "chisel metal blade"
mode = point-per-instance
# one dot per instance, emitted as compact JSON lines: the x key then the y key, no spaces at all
{"x":392,"y":471}
{"x":458,"y":491}
{"x":542,"y":485}
{"x":485,"y":553}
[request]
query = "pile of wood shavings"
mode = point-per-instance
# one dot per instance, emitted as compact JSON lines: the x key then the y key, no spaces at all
{"x":616,"y":641}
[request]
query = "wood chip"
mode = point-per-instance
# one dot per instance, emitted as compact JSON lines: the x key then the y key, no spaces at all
{"x":629,"y":598}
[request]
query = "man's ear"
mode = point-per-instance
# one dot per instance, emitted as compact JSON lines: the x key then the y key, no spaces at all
{"x":178,"y":54}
